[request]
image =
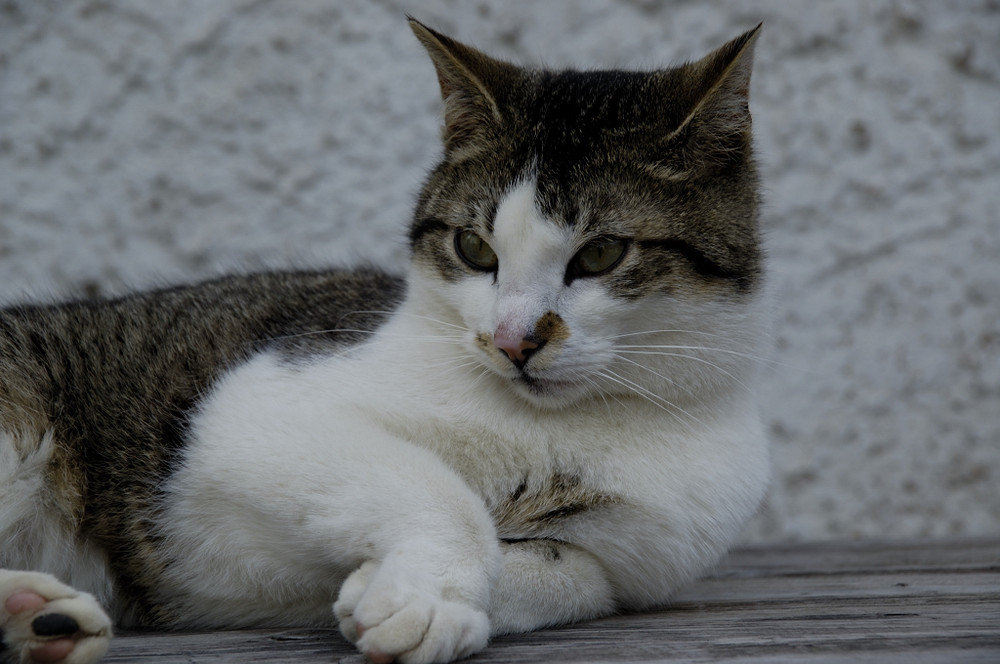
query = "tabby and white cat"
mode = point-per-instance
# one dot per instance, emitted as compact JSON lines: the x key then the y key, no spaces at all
{"x":551,"y":418}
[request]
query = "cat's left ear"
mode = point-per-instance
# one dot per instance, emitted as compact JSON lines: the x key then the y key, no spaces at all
{"x":717,"y":126}
{"x":469,"y":80}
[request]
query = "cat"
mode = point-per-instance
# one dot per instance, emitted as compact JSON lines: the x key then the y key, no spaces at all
{"x":551,"y":418}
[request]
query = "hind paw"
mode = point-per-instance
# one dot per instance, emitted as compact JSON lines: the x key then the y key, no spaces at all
{"x":43,"y":620}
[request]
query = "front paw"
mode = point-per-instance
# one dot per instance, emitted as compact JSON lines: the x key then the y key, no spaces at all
{"x":390,"y":615}
{"x":44,"y":620}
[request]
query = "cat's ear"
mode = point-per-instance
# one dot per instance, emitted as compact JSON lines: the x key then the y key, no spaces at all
{"x":717,"y":126}
{"x":469,"y":80}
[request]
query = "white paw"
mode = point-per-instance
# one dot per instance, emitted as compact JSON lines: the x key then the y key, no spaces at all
{"x":391,"y":616}
{"x":42,"y":619}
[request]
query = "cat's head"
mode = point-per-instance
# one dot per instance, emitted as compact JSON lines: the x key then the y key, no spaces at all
{"x":593,"y":232}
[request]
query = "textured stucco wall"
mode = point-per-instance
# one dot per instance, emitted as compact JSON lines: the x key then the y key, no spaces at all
{"x":145,"y":142}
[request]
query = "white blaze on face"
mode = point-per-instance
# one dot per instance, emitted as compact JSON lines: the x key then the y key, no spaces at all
{"x":533,"y":253}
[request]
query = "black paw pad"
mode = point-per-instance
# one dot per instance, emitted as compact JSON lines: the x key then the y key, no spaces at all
{"x":54,"y":624}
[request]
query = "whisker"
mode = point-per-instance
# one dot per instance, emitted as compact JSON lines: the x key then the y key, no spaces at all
{"x":601,"y":393}
{"x":655,"y":373}
{"x":645,"y":394}
{"x":478,"y":379}
{"x":701,"y":332}
{"x":760,"y":358}
{"x":689,"y":357}
{"x":651,"y":397}
{"x":346,"y":330}
{"x":712,"y":349}
{"x":463,"y":328}
{"x":459,"y":363}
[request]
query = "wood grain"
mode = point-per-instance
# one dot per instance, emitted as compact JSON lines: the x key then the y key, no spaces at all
{"x":816,"y":603}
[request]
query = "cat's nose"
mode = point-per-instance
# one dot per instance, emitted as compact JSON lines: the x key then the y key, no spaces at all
{"x":514,"y":348}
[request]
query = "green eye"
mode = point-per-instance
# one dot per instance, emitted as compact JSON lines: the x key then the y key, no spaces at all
{"x":597,"y":257}
{"x":475,"y":251}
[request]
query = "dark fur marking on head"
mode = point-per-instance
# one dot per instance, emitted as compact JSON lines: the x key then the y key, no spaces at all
{"x":701,"y":263}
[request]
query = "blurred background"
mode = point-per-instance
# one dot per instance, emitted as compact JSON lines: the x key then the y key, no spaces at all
{"x":143,"y":143}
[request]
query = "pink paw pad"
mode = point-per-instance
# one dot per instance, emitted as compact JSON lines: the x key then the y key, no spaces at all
{"x":45,"y":621}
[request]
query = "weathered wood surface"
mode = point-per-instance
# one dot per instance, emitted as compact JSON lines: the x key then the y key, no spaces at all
{"x":817,"y":603}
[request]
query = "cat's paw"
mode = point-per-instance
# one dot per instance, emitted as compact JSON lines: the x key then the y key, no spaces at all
{"x":391,"y":616}
{"x":44,"y":620}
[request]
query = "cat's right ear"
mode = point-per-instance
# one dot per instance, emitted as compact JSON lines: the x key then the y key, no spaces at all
{"x":717,"y":127}
{"x":468,"y":79}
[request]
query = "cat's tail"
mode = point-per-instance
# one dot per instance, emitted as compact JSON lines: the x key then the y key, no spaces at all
{"x":39,"y":517}
{"x":24,"y":496}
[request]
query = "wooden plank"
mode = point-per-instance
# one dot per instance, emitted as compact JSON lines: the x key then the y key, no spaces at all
{"x":906,"y":603}
{"x":859,"y":556}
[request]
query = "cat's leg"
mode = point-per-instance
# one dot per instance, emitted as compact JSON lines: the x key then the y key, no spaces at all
{"x":390,"y":617}
{"x":630,"y":558}
{"x":44,"y":620}
{"x":419,"y":546}
{"x":286,"y":492}
{"x":337,"y":498}
{"x":544,"y":582}
{"x":423,"y":594}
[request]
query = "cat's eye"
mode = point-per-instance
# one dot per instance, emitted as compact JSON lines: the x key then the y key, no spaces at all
{"x":597,"y":257}
{"x":475,"y":251}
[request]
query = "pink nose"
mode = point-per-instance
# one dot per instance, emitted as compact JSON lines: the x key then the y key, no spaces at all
{"x":517,"y":350}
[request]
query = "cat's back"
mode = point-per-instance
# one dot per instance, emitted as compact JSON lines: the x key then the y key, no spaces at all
{"x":76,"y":354}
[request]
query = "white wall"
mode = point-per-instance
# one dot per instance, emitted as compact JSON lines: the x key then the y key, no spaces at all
{"x":145,"y":142}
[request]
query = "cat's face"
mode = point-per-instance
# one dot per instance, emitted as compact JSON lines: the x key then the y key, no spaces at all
{"x":591,"y":233}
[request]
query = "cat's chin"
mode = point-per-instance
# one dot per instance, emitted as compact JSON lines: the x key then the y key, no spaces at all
{"x":550,"y":393}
